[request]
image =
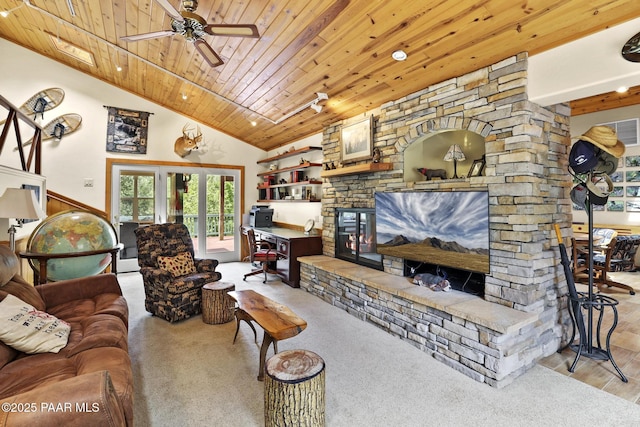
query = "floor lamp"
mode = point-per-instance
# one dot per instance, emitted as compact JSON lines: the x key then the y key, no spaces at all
{"x":19,"y":204}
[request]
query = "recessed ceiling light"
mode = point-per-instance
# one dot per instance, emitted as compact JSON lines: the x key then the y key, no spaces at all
{"x":118,"y":68}
{"x":184,"y":96}
{"x":399,"y":55}
{"x":622,"y":89}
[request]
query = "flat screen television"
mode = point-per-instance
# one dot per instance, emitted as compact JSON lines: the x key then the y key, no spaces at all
{"x":445,"y":228}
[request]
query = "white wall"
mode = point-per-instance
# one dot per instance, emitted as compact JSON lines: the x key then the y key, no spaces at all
{"x":82,"y":154}
{"x":579,"y":125}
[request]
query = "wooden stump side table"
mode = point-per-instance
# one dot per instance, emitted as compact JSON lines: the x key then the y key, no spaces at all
{"x":294,"y":389}
{"x":217,"y":306}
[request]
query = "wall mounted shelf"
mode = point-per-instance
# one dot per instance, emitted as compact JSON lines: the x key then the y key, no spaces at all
{"x":357,"y":169}
{"x":268,"y":191}
{"x":289,"y":154}
{"x":290,"y":168}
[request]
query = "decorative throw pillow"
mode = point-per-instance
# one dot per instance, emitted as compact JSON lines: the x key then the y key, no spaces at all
{"x":179,"y":265}
{"x":29,"y":330}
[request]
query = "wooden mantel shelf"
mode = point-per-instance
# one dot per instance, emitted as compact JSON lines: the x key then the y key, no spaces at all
{"x":357,"y":169}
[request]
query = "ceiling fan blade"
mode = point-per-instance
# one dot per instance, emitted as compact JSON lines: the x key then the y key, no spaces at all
{"x":171,"y":11}
{"x":147,"y":36}
{"x":232,"y":30}
{"x":207,"y":53}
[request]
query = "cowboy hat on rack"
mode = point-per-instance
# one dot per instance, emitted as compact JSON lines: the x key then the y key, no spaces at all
{"x":604,"y":138}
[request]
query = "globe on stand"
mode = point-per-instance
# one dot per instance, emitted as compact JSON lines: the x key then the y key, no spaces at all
{"x":71,"y":232}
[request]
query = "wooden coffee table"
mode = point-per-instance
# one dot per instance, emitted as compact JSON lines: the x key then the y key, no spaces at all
{"x":277,"y":321}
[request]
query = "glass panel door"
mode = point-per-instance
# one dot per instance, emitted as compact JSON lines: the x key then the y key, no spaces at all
{"x":183,"y":204}
{"x":134,"y":204}
{"x":206,"y":200}
{"x":221,"y":207}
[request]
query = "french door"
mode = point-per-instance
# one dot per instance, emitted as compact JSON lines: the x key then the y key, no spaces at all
{"x":206,"y":200}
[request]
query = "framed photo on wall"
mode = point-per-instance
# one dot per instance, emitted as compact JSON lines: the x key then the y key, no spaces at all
{"x":356,"y":141}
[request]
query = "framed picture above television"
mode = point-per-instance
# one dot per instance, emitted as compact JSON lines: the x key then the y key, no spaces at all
{"x":446,"y":228}
{"x":356,"y":141}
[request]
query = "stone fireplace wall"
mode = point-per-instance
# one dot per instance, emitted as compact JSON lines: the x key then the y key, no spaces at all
{"x":526,"y":176}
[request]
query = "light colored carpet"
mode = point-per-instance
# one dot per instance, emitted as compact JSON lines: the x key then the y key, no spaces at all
{"x":190,"y":374}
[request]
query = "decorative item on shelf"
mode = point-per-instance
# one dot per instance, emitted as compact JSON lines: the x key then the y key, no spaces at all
{"x":333,"y":165}
{"x":453,"y":155}
{"x":376,"y":155}
{"x":273,"y":166}
{"x":296,"y":176}
{"x":433,"y":173}
{"x":326,"y":166}
{"x":308,"y":226}
{"x":302,"y":161}
{"x":477,"y":167}
{"x":19,"y":204}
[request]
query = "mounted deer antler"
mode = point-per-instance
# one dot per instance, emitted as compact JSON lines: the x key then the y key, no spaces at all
{"x":187,"y":143}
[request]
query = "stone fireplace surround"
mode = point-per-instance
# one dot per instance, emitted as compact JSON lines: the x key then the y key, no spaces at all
{"x":521,"y":317}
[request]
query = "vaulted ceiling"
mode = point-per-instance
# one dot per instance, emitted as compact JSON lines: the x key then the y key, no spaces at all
{"x":339,"y":47}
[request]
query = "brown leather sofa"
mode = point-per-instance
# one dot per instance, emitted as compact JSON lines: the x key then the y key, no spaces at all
{"x":86,"y":383}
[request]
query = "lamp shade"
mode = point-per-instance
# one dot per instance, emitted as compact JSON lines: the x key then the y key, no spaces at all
{"x":454,"y":153}
{"x":20,"y":203}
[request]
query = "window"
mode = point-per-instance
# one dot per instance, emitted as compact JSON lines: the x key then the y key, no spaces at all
{"x":137,"y":201}
{"x":627,"y":131}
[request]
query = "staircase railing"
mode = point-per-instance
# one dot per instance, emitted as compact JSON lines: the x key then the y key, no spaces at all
{"x":13,"y":119}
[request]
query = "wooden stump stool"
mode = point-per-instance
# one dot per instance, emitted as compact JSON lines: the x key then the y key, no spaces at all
{"x":217,"y":306}
{"x":294,"y":389}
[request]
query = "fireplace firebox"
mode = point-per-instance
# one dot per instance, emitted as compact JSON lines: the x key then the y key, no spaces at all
{"x":471,"y":282}
{"x":356,"y":237}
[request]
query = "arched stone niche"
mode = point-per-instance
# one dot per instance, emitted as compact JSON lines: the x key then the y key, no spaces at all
{"x":425,"y":145}
{"x":429,"y":151}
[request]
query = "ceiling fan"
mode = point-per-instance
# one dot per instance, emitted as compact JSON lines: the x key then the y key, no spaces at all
{"x":193,"y":28}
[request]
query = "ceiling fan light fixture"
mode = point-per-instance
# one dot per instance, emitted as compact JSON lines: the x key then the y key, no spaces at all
{"x":399,"y":55}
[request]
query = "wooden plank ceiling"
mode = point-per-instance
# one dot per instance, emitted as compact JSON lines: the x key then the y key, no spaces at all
{"x":339,"y":47}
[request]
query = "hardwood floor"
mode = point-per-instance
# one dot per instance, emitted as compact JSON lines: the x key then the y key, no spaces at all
{"x":625,"y":346}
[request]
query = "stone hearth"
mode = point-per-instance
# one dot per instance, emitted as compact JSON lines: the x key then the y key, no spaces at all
{"x":526,"y":149}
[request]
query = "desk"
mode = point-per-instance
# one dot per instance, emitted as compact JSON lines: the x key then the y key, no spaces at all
{"x":290,"y":244}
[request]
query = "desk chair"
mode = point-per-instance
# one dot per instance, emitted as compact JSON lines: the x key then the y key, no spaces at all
{"x":261,"y":251}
